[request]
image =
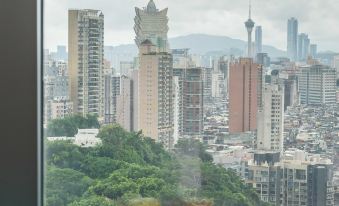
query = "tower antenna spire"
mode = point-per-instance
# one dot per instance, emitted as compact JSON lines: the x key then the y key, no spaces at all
{"x":249,"y":10}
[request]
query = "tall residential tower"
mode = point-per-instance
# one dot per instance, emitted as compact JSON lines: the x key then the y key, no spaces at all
{"x":245,"y":95}
{"x":86,"y":61}
{"x":155,"y":116}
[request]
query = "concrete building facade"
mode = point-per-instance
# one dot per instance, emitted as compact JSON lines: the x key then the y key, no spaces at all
{"x":155,"y":95}
{"x":86,"y":61}
{"x":125,"y":110}
{"x":271,"y":119}
{"x":317,"y":85}
{"x":245,"y":95}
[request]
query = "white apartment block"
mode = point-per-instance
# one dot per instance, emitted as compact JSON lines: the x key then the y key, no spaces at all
{"x":317,"y":85}
{"x":271,"y":119}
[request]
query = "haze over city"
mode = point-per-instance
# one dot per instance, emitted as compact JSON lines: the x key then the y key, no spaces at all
{"x":243,"y":93}
{"x":216,"y":17}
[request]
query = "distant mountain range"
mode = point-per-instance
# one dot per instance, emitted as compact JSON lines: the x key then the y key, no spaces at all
{"x":204,"y":45}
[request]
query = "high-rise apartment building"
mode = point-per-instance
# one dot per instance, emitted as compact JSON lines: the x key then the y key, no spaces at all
{"x":223,"y":65}
{"x":56,"y":91}
{"x":245,"y":95}
{"x":125,"y":111}
{"x":126,"y":68}
{"x":86,"y":60}
{"x":292,"y":39}
{"x":271,"y":119}
{"x":111,"y":91}
{"x":193,"y":106}
{"x":218,"y":84}
{"x":60,"y":108}
{"x":152,"y":24}
{"x":263,"y":59}
{"x":177,"y":108}
{"x":207,"y":78}
{"x":295,"y":180}
{"x":313,"y":50}
{"x":188,"y":102}
{"x":181,"y":58}
{"x":61,"y":53}
{"x":317,"y":85}
{"x":108,"y":114}
{"x":155,"y":93}
{"x":264,"y":175}
{"x":135,"y":97}
{"x":258,"y":39}
{"x":291,"y":92}
{"x":306,"y":180}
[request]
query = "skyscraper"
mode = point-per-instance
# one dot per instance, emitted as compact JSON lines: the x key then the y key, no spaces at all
{"x":61,"y":53}
{"x":313,"y":50}
{"x":155,"y":93}
{"x":249,"y":26}
{"x":86,"y":60}
{"x":245,"y":95}
{"x":292,"y":38}
{"x":152,"y":24}
{"x":303,"y":47}
{"x":258,"y":39}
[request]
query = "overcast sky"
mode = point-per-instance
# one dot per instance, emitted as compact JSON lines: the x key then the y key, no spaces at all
{"x":318,"y":18}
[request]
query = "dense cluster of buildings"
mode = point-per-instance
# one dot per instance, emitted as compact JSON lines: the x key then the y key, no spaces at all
{"x":275,"y":122}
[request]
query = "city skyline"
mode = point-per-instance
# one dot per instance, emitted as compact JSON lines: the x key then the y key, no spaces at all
{"x":233,"y":107}
{"x":214,"y":19}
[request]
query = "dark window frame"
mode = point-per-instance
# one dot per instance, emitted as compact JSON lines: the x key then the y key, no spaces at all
{"x":21,"y":173}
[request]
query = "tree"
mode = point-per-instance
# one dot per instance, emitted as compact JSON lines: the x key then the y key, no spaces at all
{"x":130,"y":169}
{"x":93,"y":201}
{"x":64,"y":154}
{"x":69,"y":125}
{"x":100,"y":167}
{"x":114,"y":187}
{"x":194,"y":148}
{"x":65,"y":186}
{"x":150,"y":187}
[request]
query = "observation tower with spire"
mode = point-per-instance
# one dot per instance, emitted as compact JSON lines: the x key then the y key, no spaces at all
{"x":249,"y":26}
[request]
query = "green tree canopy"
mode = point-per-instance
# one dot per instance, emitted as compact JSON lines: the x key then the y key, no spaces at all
{"x":69,"y":125}
{"x":65,"y":186}
{"x":130,"y":169}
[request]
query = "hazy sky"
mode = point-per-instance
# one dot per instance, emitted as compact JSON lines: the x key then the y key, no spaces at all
{"x":318,"y":18}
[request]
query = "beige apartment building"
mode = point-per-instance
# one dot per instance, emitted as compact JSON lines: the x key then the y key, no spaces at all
{"x":86,"y":61}
{"x":155,"y":115}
